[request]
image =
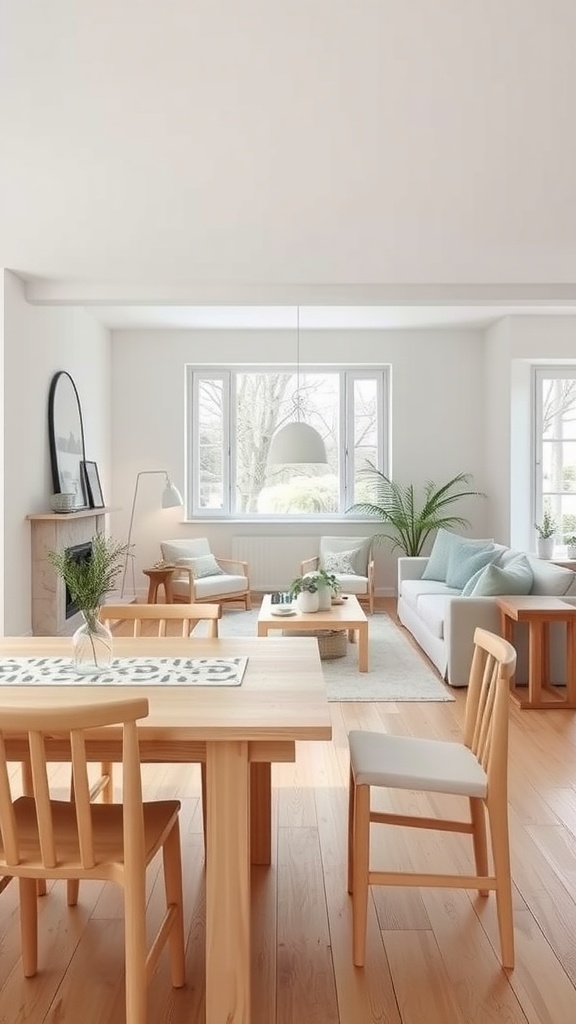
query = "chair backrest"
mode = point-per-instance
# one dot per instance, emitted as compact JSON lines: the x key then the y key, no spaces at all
{"x":40,"y":850}
{"x":161,"y":614}
{"x":487,"y":703}
{"x":174,"y":550}
{"x":358,"y":547}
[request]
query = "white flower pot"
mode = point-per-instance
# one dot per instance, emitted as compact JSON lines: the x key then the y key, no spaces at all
{"x":307,"y":602}
{"x":324,"y":599}
{"x":545,"y":547}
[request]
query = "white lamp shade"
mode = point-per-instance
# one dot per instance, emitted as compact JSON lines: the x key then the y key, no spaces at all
{"x":171,"y":497}
{"x":297,"y":442}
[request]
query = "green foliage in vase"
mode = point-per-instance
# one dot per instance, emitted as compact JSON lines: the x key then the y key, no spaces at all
{"x":90,"y":579}
{"x":308,"y":583}
{"x":411,"y":521}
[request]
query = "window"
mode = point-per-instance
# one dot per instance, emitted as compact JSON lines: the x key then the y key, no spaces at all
{"x":232,"y":415}
{"x":555,"y":448}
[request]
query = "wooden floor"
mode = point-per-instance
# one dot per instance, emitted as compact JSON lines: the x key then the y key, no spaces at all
{"x":432,"y":954}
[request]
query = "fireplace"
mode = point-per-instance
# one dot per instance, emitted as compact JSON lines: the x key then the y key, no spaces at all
{"x":80,"y":553}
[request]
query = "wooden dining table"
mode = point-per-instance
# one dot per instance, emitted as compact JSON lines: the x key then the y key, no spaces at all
{"x":238,"y":731}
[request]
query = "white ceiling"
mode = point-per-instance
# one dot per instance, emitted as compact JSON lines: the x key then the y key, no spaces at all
{"x":209,"y":153}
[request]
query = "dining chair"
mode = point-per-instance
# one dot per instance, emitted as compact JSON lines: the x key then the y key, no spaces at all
{"x":476,"y":768}
{"x":42,"y":837}
{"x":161,"y":614}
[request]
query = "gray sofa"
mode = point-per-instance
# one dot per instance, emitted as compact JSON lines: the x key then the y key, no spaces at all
{"x":443,"y":621}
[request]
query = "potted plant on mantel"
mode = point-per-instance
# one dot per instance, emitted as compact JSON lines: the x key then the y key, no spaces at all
{"x":89,"y":580}
{"x":545,"y":539}
{"x":409,"y":522}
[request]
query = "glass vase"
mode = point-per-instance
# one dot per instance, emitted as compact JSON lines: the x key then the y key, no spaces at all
{"x":92,"y":644}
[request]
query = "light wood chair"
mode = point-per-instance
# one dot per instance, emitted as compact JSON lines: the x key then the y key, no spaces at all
{"x":476,"y":768}
{"x":350,"y":560}
{"x":160,"y":614}
{"x":46,"y":838}
{"x":201,"y":576}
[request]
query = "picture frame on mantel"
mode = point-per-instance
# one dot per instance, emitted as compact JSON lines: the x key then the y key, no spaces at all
{"x":66,"y":437}
{"x":92,"y":484}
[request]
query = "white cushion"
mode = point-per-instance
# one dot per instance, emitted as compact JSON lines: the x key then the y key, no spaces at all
{"x":341,"y":561}
{"x":360,"y":545}
{"x":352,"y":584}
{"x":174,"y":550}
{"x":406,"y":762}
{"x":432,"y":609}
{"x":550,"y":579}
{"x":413,"y":589}
{"x":211,"y":586}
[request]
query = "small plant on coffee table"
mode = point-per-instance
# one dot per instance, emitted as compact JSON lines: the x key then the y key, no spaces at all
{"x":307,"y":583}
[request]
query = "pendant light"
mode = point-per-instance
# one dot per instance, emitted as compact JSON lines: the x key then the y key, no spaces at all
{"x":297,"y":442}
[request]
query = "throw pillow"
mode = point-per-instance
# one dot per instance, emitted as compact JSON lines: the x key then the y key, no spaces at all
{"x":437,"y":565}
{"x":465,"y":559}
{"x":341,"y":562}
{"x":205,"y":565}
{"x":516,"y":578}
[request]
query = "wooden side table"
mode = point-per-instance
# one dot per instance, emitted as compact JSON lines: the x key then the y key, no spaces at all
{"x":538,"y":613}
{"x":160,"y":577}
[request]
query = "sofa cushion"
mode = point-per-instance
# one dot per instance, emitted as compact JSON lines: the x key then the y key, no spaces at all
{"x":515,"y":578}
{"x":174,"y":550}
{"x":465,"y":560}
{"x":444,"y":542}
{"x":204,"y":565}
{"x":341,"y":561}
{"x":432,"y":609}
{"x":412,"y":590}
{"x":550,"y":579}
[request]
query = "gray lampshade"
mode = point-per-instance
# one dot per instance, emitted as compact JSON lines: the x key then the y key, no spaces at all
{"x":297,"y":442}
{"x":171,"y":497}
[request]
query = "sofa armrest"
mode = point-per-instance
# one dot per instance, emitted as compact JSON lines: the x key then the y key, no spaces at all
{"x":463,"y":615}
{"x":410,"y":568}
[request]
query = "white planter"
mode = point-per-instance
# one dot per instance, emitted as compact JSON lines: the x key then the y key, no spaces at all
{"x":324,"y":599}
{"x":545,"y":547}
{"x":571,"y":550}
{"x":307,"y":602}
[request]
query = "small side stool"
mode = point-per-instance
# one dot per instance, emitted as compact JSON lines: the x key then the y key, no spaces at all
{"x":160,"y":578}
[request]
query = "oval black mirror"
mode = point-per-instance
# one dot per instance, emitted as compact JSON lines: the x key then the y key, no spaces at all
{"x":66,"y":433}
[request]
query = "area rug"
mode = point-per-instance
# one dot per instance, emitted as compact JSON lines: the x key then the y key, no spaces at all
{"x":397,"y":672}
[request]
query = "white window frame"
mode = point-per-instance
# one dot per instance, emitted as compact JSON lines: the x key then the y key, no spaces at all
{"x":348,"y":374}
{"x":556,"y":371}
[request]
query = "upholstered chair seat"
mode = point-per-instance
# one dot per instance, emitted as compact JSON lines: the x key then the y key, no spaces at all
{"x":202,"y":576}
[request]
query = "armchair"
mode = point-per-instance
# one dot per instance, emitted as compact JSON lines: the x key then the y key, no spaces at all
{"x":350,"y":559}
{"x":201,"y":576}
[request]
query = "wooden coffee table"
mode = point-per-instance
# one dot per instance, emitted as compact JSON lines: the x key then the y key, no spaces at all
{"x":347,"y":615}
{"x":539,"y":612}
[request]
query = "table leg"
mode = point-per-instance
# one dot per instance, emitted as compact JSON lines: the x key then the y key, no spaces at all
{"x":535,"y":659}
{"x":168,"y":590}
{"x":227,"y":883}
{"x":262,"y":629}
{"x":152,"y":591}
{"x":363,"y":648}
{"x":260,"y":812}
{"x":571,"y":662}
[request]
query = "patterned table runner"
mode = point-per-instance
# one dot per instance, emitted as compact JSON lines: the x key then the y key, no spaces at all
{"x":124,"y":672}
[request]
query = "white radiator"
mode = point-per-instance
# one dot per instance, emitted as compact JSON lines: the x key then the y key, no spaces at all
{"x":273,"y":562}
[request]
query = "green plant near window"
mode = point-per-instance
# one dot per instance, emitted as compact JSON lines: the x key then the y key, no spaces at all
{"x":547,"y":527}
{"x":410,"y":520}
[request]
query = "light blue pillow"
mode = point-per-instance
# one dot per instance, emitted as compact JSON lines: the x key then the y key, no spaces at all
{"x":465,"y":559}
{"x":444,"y":542}
{"x":515,"y":578}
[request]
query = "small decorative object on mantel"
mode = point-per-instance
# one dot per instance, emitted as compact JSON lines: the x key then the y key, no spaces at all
{"x":64,"y":502}
{"x":89,"y":580}
{"x":545,"y":530}
{"x":92,"y":484}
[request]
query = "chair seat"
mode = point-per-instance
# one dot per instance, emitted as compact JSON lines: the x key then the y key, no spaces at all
{"x":159,"y":818}
{"x":210,"y":586}
{"x":352,"y":584}
{"x":407,"y":762}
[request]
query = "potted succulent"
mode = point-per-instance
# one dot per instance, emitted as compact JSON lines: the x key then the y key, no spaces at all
{"x":305,"y":590}
{"x":89,"y":580}
{"x":545,"y":539}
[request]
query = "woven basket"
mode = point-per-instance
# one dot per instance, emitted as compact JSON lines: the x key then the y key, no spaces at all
{"x":332,"y":643}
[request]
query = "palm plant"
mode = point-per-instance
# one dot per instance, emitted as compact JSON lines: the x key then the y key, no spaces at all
{"x":409,"y":521}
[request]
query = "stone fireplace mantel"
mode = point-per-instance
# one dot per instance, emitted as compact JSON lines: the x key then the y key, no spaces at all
{"x":53,"y":531}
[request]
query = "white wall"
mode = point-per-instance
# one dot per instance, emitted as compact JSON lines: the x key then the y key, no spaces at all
{"x":437,"y":418}
{"x":38,"y":342}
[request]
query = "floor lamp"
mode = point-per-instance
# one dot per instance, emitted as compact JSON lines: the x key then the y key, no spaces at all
{"x":171,"y":498}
